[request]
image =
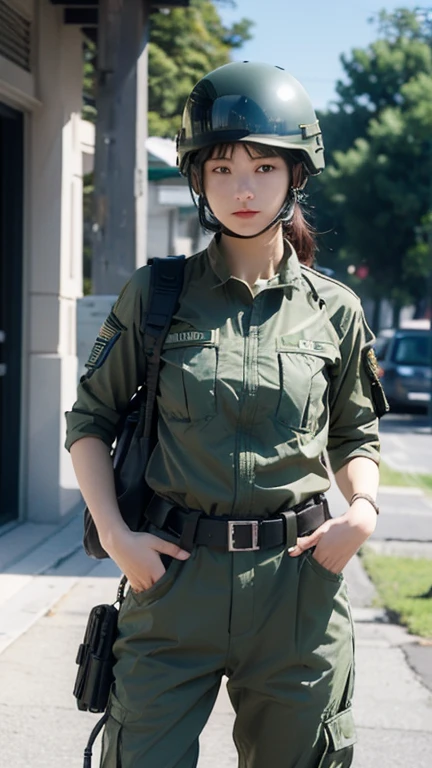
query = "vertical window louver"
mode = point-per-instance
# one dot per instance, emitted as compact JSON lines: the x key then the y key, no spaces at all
{"x":15,"y":40}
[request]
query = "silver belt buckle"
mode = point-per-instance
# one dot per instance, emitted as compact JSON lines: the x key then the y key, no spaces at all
{"x":231,"y":535}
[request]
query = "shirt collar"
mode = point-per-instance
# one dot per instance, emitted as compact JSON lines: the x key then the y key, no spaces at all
{"x":289,"y":273}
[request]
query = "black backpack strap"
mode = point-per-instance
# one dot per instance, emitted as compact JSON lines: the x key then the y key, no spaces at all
{"x":166,"y":283}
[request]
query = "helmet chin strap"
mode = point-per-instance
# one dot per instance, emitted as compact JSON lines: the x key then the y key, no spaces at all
{"x":285,"y":214}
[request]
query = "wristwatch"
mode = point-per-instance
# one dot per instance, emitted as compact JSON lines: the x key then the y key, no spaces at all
{"x":368,"y":498}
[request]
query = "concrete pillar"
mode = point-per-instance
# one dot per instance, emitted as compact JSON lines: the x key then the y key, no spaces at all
{"x":121,"y":156}
{"x":55,"y":263}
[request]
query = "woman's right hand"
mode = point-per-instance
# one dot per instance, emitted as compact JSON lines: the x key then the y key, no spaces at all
{"x":138,"y":557}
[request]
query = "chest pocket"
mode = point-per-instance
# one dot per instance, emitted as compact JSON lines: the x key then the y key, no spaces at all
{"x":187,"y":380}
{"x":304,"y":374}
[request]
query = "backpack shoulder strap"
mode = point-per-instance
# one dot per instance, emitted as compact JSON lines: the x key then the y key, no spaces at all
{"x":166,"y":283}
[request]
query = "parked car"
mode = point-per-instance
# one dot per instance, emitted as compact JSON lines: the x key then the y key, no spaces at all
{"x":404,"y":356}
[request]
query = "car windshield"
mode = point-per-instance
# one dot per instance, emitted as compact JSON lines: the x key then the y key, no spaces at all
{"x":412,"y":350}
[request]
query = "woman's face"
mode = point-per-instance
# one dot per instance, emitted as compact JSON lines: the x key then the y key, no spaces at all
{"x":245,"y":190}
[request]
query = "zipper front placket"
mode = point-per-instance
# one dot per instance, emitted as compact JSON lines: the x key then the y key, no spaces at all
{"x":245,"y":457}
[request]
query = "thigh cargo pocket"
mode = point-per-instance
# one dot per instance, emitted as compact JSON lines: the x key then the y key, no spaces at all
{"x":340,"y":737}
{"x":113,"y":753}
{"x":111,"y":744}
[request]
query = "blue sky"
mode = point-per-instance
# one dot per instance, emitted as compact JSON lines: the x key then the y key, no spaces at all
{"x":307,"y":37}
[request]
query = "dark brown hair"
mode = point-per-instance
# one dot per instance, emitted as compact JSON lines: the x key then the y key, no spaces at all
{"x":298,"y":231}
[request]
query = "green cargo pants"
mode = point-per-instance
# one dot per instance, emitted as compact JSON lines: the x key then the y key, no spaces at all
{"x":280,"y":628}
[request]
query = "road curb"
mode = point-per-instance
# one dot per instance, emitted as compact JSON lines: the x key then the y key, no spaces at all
{"x":401,"y":490}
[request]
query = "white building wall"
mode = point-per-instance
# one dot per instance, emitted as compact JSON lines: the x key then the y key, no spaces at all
{"x":54,"y":257}
{"x":158,"y":221}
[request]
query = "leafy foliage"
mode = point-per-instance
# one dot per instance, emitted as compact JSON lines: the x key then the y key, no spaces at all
{"x":89,"y":81}
{"x":88,"y":190}
{"x":376,"y":192}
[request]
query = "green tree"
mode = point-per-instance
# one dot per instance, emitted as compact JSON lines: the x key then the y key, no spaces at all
{"x":89,"y":81}
{"x":376,"y":191}
{"x":185,"y":44}
{"x":88,"y":189}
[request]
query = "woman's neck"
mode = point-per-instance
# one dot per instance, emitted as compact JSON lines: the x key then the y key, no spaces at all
{"x":254,"y":259}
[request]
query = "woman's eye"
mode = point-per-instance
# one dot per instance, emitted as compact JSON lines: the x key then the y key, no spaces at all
{"x":265,"y":168}
{"x":221,"y":169}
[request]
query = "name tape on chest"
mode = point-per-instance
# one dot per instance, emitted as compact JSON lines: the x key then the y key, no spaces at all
{"x":190,"y":337}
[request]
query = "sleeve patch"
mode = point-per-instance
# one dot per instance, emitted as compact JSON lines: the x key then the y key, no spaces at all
{"x":107,"y":337}
{"x":110,"y":327}
{"x":379,"y":399}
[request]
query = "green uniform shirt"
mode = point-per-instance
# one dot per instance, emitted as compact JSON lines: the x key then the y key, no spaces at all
{"x":253,"y":390}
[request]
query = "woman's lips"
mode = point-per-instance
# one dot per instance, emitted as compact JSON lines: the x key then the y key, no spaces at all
{"x":245,"y":214}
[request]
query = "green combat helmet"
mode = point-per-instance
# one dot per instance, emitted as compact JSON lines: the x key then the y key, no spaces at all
{"x":247,"y":101}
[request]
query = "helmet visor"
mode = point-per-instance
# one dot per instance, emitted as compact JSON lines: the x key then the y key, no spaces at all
{"x":233,"y":117}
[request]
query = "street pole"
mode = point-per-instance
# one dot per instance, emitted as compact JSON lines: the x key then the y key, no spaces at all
{"x":120,"y":194}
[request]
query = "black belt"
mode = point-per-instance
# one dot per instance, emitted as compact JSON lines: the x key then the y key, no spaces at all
{"x":237,"y":535}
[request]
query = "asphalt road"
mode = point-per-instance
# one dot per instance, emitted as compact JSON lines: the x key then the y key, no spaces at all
{"x":406,"y":442}
{"x":404,"y":517}
{"x":406,"y":513}
{"x":406,"y":445}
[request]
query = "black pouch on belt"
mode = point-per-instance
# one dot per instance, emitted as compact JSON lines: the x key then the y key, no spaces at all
{"x":95,"y":656}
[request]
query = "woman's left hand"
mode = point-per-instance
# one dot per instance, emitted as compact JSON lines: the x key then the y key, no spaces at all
{"x":337,"y":541}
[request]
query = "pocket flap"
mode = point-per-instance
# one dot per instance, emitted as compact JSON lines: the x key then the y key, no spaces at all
{"x":324,"y":349}
{"x":341,"y":730}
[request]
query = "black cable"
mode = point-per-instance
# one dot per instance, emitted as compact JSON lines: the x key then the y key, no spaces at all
{"x":93,"y":736}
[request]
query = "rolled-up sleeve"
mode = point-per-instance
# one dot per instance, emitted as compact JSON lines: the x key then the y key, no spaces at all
{"x":356,"y":398}
{"x":115,"y":369}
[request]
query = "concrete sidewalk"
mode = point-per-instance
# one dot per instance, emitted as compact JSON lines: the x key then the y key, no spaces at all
{"x":46,"y":593}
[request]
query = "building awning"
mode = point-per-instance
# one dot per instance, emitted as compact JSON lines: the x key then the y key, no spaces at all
{"x":156,"y":174}
{"x":85,"y":13}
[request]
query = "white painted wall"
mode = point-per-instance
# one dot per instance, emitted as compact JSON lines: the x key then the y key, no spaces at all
{"x":54,"y":264}
{"x":158,"y":218}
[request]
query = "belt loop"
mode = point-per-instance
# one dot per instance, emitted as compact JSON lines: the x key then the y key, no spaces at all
{"x":190,"y":524}
{"x":290,"y":518}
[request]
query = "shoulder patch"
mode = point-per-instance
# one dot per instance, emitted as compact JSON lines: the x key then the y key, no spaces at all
{"x":108,"y":334}
{"x":370,"y":364}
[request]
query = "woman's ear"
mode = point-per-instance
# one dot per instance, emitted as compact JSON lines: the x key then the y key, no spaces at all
{"x":299,"y":177}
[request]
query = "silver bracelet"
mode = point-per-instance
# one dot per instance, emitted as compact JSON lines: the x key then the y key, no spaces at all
{"x":368,"y":498}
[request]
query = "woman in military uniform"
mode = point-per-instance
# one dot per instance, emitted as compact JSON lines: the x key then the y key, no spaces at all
{"x":266,"y":368}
